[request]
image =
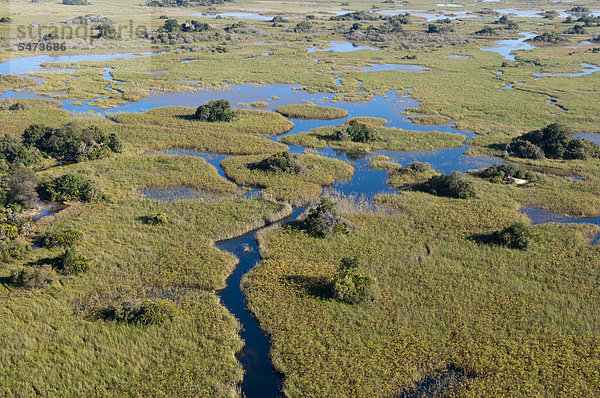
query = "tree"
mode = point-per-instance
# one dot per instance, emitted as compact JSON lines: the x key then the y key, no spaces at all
{"x":69,"y":187}
{"x":65,"y":239}
{"x":516,"y":236}
{"x":283,"y":162}
{"x":21,"y":187}
{"x":72,"y":264}
{"x":215,"y":111}
{"x":323,"y":220}
{"x":356,"y":131}
{"x":455,"y":185}
{"x":349,"y":285}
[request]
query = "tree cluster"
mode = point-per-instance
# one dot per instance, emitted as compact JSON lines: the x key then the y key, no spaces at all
{"x":215,"y":111}
{"x":553,"y":141}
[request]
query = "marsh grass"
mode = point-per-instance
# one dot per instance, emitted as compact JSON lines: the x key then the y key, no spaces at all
{"x":386,"y":139}
{"x":311,"y":112}
{"x":294,"y":187}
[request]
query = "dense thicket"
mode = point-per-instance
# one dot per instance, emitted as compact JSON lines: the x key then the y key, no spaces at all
{"x":215,"y":111}
{"x":71,"y":143}
{"x":553,"y":141}
{"x":455,"y":185}
{"x":69,"y":187}
{"x":323,"y":221}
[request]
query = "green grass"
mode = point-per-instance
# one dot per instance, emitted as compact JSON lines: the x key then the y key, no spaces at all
{"x":389,"y":139}
{"x":311,"y":112}
{"x":291,"y":187}
{"x":521,"y":323}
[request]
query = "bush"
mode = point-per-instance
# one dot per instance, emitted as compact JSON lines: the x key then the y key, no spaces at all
{"x":14,"y":152}
{"x":215,"y":111}
{"x":455,"y":185}
{"x":65,"y":239}
{"x":8,"y":231}
{"x":282,"y":162}
{"x":13,"y":249}
{"x":546,"y":37}
{"x":146,"y":312}
{"x":33,"y":278}
{"x":499,"y":172}
{"x":356,"y":131}
{"x":72,"y":264}
{"x":71,"y":144}
{"x":69,"y":187}
{"x":20,"y":188}
{"x":581,"y":148}
{"x":349,"y":285}
{"x":553,"y":141}
{"x":303,"y":26}
{"x":157,"y":219}
{"x":524,"y":149}
{"x":517,"y":236}
{"x":323,"y":221}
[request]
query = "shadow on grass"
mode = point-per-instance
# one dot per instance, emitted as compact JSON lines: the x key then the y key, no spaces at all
{"x":440,"y":385}
{"x":318,"y":287}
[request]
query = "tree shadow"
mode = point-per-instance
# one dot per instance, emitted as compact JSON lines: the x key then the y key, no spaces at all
{"x":439,"y":385}
{"x":186,"y":117}
{"x":319,"y":287}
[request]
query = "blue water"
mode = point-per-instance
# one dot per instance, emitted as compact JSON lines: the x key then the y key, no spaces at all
{"x":340,"y":47}
{"x":506,"y":47}
{"x":260,"y":380}
{"x":539,"y":216}
{"x":237,"y":15}
{"x":587,"y":70}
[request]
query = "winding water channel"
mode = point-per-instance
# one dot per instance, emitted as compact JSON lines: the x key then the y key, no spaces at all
{"x":260,"y":379}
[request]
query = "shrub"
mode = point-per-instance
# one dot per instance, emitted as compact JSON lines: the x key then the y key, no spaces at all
{"x":71,"y":144}
{"x":283,"y":162}
{"x":547,"y":37}
{"x":516,"y":236}
{"x":146,"y":312}
{"x":215,"y":111}
{"x":455,"y":185}
{"x":8,"y":231}
{"x":524,"y":149}
{"x":499,"y":172}
{"x":303,"y":26}
{"x":157,"y":219}
{"x":33,"y":278}
{"x":72,"y":264}
{"x":65,"y":239}
{"x":20,"y":186}
{"x":553,"y":141}
{"x":5,"y":19}
{"x":349,"y":285}
{"x":356,"y":131}
{"x":69,"y":187}
{"x":13,"y":249}
{"x":323,"y":221}
{"x":581,"y":148}
{"x":575,"y":30}
{"x":13,"y":152}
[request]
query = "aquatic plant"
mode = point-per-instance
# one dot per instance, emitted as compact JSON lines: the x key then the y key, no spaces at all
{"x":311,"y":112}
